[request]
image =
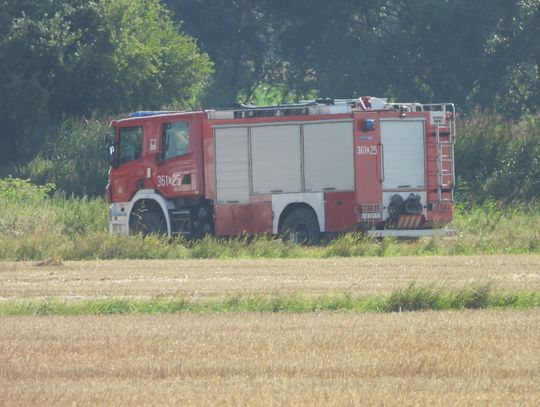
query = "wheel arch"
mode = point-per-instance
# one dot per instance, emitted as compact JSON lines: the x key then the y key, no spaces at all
{"x":155,"y":201}
{"x":312,"y":200}
{"x":292,"y":207}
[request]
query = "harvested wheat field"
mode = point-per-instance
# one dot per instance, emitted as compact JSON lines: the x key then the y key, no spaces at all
{"x":218,"y":278}
{"x":482,"y":357}
{"x":430,"y":358}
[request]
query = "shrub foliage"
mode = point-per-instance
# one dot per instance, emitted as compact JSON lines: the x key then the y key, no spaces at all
{"x":497,"y":159}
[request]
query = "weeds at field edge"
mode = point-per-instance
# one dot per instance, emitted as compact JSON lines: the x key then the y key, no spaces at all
{"x":412,"y":298}
{"x":36,"y":226}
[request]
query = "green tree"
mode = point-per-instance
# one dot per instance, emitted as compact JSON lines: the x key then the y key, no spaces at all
{"x":152,"y":64}
{"x":474,"y":53}
{"x":237,"y":37}
{"x":513,"y":56}
{"x":330,"y":48}
{"x":38,"y":43}
{"x":66,"y":58}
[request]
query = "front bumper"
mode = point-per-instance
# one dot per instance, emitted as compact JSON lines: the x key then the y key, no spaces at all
{"x":119,"y":218}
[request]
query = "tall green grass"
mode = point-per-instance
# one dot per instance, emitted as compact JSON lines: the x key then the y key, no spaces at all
{"x":36,"y":223}
{"x":497,"y":158}
{"x":411,"y":298}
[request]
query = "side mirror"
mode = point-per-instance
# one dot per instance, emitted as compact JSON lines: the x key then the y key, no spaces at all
{"x":111,"y":149}
{"x":111,"y":155}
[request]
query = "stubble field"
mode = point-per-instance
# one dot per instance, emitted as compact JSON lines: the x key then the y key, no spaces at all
{"x":481,"y":357}
{"x":218,"y":278}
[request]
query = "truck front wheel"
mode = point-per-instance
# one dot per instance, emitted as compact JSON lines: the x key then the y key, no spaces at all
{"x":148,"y":223}
{"x":301,"y":227}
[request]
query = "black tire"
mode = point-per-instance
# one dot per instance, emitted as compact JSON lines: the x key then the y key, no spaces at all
{"x":148,"y":223}
{"x":301,"y":227}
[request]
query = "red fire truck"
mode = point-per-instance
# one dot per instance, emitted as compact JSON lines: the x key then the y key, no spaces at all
{"x":299,"y":170}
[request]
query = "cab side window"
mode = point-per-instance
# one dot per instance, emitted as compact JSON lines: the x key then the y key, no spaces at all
{"x":175,"y":140}
{"x":130,"y":144}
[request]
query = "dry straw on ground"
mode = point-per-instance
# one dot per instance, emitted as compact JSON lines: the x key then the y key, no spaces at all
{"x":432,"y":358}
{"x":218,"y":278}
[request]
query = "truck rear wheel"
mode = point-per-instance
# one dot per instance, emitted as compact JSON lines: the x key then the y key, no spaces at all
{"x":301,"y":227}
{"x":148,"y":223}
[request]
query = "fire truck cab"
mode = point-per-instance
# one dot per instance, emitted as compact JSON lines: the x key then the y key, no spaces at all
{"x":299,"y":170}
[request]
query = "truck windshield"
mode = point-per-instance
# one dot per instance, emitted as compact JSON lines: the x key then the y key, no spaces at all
{"x":130,"y":144}
{"x":175,"y":139}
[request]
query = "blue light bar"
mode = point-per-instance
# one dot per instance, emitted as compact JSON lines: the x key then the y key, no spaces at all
{"x":144,"y":113}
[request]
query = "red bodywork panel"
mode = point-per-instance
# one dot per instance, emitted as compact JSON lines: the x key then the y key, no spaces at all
{"x":339,"y":211}
{"x":367,"y":162}
{"x":252,"y":219}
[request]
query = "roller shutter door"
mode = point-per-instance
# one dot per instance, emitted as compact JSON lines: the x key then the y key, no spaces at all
{"x":329,"y":157}
{"x":403,"y":154}
{"x":232,"y":165}
{"x":276,"y":159}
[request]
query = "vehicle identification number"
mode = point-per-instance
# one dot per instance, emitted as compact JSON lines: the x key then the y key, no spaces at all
{"x":367,"y":150}
{"x":167,"y":180}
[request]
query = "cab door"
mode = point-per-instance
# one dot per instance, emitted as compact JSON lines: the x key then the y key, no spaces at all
{"x":176,"y":174}
{"x":129,"y":174}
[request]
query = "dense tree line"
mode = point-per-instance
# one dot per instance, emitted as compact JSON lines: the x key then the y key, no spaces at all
{"x":472,"y":52}
{"x":64,"y":62}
